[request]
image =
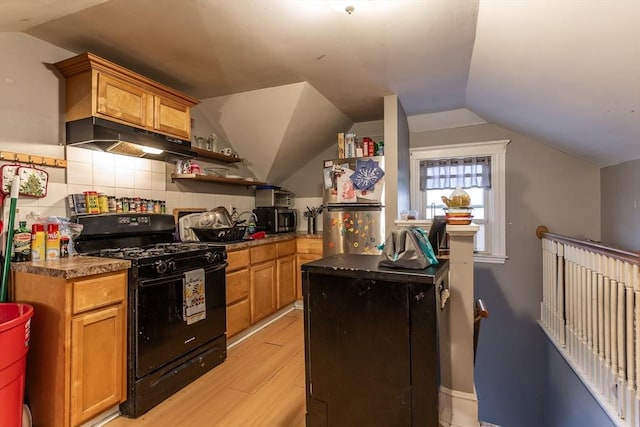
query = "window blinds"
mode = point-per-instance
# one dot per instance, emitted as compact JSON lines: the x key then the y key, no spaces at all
{"x":467,"y":172}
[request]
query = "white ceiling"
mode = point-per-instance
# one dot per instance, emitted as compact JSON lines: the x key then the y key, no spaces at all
{"x":565,"y":71}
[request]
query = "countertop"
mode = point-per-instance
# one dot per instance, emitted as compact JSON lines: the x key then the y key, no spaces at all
{"x":72,"y":267}
{"x":81,"y":266}
{"x":270,"y":238}
{"x":366,"y":267}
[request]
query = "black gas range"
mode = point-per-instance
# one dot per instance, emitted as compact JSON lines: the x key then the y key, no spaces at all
{"x":166,"y":258}
{"x":176,"y":302}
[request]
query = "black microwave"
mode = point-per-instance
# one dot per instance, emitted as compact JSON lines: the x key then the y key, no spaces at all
{"x":275,"y":220}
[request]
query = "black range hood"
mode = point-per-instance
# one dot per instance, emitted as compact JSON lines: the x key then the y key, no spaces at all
{"x":107,"y":136}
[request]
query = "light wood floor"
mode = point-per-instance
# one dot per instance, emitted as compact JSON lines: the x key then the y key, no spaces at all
{"x":260,"y":384}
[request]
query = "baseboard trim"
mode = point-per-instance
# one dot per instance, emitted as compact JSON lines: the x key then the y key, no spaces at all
{"x":253,"y":329}
{"x":457,"y":408}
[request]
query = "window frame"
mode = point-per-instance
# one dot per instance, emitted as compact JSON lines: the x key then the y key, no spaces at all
{"x":496,"y":217}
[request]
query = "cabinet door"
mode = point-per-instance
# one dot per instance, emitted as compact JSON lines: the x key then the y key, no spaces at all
{"x":238,"y":317}
{"x":309,"y":246}
{"x":237,"y":285}
{"x":171,"y":117}
{"x":301,"y":259}
{"x":97,"y":368}
{"x":286,"y":280}
{"x":263,"y":290}
{"x":120,"y":100}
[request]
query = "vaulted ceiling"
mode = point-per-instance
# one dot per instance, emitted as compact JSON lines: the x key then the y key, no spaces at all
{"x":564,"y":71}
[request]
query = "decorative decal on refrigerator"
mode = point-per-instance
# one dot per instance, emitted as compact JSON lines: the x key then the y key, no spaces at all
{"x":357,"y":226}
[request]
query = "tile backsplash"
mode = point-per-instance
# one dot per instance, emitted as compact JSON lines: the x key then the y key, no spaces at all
{"x":121,"y":176}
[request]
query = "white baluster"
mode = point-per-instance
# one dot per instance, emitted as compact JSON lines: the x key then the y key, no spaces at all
{"x":607,"y":338}
{"x":561,"y":290}
{"x":602,"y":342}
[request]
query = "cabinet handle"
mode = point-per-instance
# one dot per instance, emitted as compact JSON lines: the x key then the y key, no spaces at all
{"x":444,"y":294}
{"x":419,"y":296}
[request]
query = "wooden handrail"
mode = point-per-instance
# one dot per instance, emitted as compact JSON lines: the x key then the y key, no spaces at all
{"x":592,"y":245}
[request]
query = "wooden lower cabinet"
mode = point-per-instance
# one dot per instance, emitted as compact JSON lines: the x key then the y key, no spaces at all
{"x":238,"y":317}
{"x":263,"y":290}
{"x":96,"y":362}
{"x":307,"y":250}
{"x":237,"y":291}
{"x":76,"y":364}
{"x":286,"y":273}
{"x":263,"y":279}
{"x":286,"y":268}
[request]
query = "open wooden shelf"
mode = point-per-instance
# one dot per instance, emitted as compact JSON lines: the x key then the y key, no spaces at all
{"x":215,"y":156}
{"x":211,"y":178}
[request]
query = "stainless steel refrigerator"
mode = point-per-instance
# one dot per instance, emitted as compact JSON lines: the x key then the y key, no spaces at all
{"x":353,"y":219}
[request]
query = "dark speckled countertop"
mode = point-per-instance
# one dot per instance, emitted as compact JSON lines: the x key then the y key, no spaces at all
{"x":81,"y":266}
{"x":72,"y":267}
{"x":271,"y":238}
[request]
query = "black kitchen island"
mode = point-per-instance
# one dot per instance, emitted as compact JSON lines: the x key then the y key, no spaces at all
{"x":371,"y":342}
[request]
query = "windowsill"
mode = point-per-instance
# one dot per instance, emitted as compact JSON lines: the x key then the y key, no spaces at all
{"x":489,"y":259}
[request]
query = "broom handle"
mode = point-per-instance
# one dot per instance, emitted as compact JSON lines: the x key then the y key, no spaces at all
{"x":15,"y":186}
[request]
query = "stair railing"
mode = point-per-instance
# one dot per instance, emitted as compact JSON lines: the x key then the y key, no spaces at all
{"x":591,"y":311}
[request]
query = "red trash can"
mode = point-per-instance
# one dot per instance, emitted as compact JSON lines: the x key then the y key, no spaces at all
{"x":15,"y":323}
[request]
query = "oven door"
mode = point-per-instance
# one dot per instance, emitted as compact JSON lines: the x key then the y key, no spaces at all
{"x":161,"y":333}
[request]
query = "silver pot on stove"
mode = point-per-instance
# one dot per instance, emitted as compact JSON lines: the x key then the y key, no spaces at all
{"x":217,"y":225}
{"x":216,"y":218}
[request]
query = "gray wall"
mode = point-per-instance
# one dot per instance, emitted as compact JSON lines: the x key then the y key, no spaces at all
{"x":31,"y":97}
{"x":396,"y":159}
{"x":567,"y":402}
{"x":621,"y":205}
{"x":543,"y":187}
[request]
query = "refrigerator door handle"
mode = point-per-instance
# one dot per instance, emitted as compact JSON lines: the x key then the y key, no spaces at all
{"x":353,"y":206}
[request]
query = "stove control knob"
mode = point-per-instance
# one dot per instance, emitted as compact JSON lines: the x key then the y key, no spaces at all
{"x":211,"y":257}
{"x":171,"y":265}
{"x":160,"y":267}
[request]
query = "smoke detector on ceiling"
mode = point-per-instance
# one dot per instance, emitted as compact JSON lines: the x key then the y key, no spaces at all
{"x":349,"y":9}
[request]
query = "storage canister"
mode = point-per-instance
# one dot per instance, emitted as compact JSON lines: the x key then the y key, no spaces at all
{"x":37,"y":242}
{"x":21,"y":243}
{"x":52,"y":244}
{"x":91,"y":198}
{"x":112,"y":204}
{"x":64,"y":247}
{"x":103,"y":203}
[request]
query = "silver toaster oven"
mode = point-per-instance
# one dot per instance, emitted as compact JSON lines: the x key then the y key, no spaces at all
{"x":273,"y":198}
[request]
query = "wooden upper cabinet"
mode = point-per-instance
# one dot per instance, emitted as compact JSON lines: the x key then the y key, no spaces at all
{"x":171,"y":117}
{"x":121,"y":101}
{"x":100,"y":88}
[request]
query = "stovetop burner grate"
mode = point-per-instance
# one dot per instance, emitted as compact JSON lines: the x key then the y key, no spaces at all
{"x":156,"y":250}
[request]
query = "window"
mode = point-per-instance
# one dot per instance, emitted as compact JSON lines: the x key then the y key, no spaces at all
{"x":478,"y":168}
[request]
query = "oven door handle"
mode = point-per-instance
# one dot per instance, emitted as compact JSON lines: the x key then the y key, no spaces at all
{"x":178,"y":276}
